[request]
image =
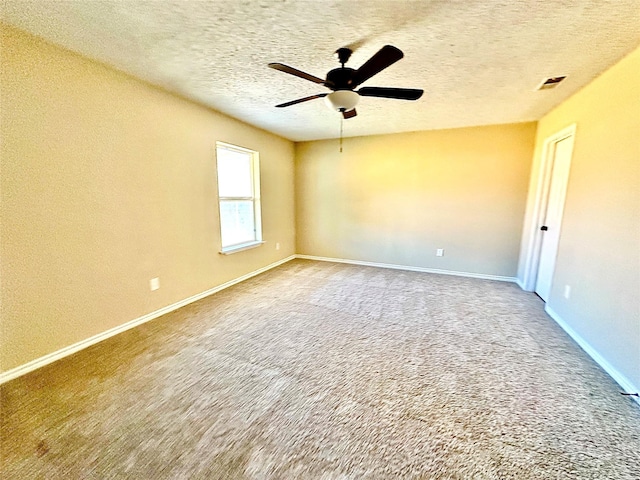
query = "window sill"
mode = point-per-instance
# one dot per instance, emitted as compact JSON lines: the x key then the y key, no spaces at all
{"x":240,"y":248}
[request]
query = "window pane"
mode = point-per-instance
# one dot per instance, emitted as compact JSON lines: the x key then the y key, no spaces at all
{"x":234,"y":173}
{"x":237,"y":221}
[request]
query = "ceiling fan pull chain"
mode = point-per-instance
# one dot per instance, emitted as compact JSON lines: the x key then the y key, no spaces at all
{"x":341,"y":120}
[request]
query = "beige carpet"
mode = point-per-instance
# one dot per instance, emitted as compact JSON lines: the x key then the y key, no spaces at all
{"x":328,"y":371}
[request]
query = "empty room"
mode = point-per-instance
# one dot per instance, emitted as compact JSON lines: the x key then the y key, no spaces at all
{"x":296,"y":239}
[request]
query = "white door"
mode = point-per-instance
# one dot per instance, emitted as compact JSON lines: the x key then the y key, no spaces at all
{"x":561,"y":161}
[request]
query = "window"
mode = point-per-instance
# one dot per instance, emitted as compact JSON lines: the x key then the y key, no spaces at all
{"x":239,"y":197}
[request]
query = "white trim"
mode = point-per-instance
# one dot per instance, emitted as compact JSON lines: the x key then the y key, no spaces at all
{"x":76,"y":347}
{"x":543,"y":180}
{"x":620,"y":379}
{"x":410,"y":268}
{"x":240,"y":247}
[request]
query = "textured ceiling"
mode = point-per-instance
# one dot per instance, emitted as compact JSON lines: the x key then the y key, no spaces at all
{"x":479,"y":61}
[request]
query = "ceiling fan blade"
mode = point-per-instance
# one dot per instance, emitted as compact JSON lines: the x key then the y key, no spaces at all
{"x":296,"y":72}
{"x":386,"y":56}
{"x":349,"y":113}
{"x":384,"y":92}
{"x":300,"y":100}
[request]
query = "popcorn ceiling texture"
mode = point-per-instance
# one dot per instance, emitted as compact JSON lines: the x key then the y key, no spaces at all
{"x":328,"y":371}
{"x":479,"y":62}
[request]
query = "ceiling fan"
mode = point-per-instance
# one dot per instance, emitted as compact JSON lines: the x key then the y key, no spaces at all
{"x":344,"y":80}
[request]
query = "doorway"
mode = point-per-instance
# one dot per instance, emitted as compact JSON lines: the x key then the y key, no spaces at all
{"x":546,"y":221}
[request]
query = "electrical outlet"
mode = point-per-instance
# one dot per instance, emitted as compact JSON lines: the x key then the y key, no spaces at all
{"x":154,"y":284}
{"x":440,"y":252}
{"x":277,"y":245}
{"x":567,"y":291}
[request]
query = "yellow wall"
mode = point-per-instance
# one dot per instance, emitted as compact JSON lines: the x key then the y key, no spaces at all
{"x":599,"y":252}
{"x":106,"y":183}
{"x":397,"y":198}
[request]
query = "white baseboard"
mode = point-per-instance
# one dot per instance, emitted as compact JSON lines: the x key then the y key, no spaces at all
{"x":624,"y":382}
{"x":410,"y":268}
{"x":66,"y":351}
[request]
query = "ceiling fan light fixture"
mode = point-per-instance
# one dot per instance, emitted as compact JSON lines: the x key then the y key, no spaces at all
{"x":342,"y":100}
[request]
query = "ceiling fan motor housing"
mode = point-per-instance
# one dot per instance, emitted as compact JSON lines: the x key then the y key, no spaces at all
{"x":340,"y":79}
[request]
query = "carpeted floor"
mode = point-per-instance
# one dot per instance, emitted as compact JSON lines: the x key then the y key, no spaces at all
{"x":328,"y":371}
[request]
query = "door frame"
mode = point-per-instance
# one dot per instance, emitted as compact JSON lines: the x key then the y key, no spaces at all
{"x":542,"y":185}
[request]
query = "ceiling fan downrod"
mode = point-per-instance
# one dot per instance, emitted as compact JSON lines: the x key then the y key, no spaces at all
{"x":343,"y":54}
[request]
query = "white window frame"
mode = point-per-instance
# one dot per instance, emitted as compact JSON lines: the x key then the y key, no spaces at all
{"x":255,"y":198}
